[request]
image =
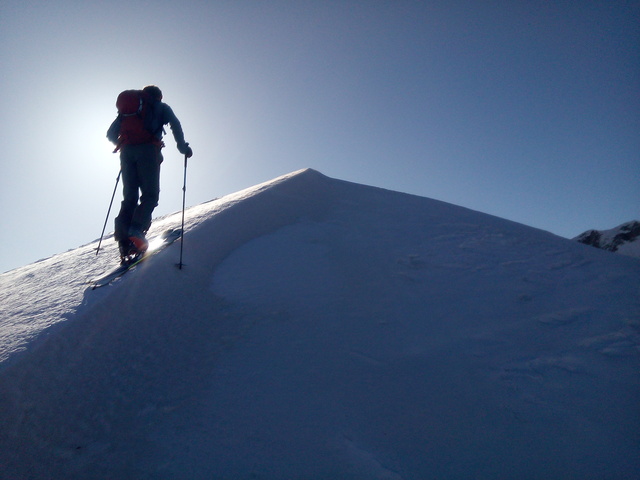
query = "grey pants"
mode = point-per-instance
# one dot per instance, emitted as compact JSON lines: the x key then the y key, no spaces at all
{"x":140,"y":181}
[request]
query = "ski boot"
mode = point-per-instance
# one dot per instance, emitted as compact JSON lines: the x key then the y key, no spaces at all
{"x":139,"y":242}
{"x":128,"y":251}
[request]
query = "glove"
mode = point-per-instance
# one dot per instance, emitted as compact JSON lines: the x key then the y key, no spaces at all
{"x":185,"y":149}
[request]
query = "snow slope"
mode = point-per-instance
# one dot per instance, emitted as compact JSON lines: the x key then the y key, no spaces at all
{"x":323,"y":329}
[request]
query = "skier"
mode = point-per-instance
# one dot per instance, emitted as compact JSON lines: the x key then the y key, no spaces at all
{"x":140,"y":158}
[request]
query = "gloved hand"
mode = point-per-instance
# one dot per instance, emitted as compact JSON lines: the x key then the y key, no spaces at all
{"x":185,"y":149}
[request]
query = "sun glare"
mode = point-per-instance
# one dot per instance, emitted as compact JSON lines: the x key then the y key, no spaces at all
{"x":155,"y":244}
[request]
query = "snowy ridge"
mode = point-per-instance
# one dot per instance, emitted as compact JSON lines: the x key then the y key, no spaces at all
{"x":624,"y":239}
{"x":324,"y":329}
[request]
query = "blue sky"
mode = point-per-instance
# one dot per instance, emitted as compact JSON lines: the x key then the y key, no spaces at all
{"x":527,"y":110}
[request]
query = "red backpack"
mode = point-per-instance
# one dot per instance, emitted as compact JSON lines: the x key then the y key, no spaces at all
{"x":133,"y":107}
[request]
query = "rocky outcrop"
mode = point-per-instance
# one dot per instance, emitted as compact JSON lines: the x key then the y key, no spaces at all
{"x":622,"y":239}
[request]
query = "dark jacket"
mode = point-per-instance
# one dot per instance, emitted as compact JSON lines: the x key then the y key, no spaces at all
{"x":158,"y":115}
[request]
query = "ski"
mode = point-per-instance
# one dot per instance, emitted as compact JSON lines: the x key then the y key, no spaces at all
{"x":156,"y":245}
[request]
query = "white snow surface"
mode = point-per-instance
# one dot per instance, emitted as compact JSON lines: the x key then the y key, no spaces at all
{"x":631,"y":249}
{"x":325,"y":330}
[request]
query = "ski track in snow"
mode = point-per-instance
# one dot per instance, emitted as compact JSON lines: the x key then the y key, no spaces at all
{"x":322,"y":329}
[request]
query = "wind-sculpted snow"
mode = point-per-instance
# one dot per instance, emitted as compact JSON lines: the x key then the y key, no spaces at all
{"x":324,"y":329}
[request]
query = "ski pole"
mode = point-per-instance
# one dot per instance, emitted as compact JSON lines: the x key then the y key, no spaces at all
{"x":108,"y":212}
{"x":184,"y":194}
